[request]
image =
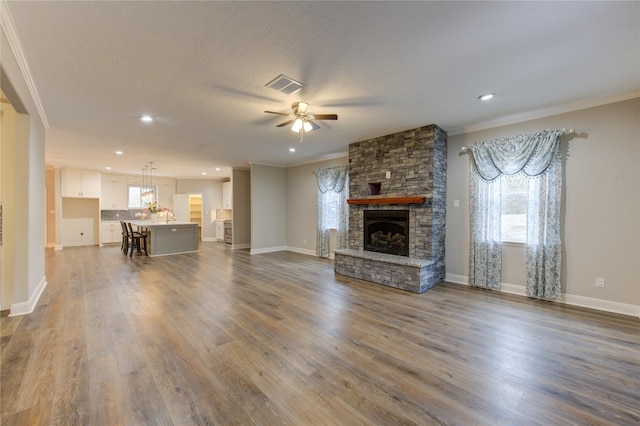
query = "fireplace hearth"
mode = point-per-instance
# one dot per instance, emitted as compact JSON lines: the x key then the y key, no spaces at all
{"x":387,"y":231}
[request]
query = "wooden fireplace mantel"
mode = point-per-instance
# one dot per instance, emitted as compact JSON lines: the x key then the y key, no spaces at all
{"x":392,"y":200}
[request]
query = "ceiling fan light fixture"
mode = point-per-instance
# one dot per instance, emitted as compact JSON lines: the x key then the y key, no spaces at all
{"x":307,"y":126}
{"x":297,"y":125}
{"x":301,"y":108}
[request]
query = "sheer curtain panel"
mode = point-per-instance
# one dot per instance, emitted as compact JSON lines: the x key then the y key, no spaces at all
{"x":485,"y":258}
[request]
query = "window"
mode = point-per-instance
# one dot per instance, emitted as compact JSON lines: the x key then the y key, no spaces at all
{"x":139,"y":196}
{"x":332,"y":203}
{"x":513,"y":221}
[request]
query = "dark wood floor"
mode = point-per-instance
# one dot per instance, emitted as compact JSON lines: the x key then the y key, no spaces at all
{"x":221,"y":337}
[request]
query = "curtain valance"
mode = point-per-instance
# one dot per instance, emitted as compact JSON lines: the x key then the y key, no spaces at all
{"x":528,"y":153}
{"x":332,"y":178}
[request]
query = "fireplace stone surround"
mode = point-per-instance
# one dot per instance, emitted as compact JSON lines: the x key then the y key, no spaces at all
{"x":410,"y":168}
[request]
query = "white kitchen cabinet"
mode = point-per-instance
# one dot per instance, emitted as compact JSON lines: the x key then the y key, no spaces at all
{"x":114,"y":193}
{"x":110,"y":232}
{"x":134,"y":180}
{"x":227,"y":199}
{"x":75,"y":183}
{"x":220,"y":230}
{"x":166,"y":191}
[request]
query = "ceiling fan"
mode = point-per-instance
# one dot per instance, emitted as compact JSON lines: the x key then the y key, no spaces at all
{"x":301,"y":118}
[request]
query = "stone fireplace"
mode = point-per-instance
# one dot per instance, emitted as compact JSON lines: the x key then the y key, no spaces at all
{"x":404,"y":175}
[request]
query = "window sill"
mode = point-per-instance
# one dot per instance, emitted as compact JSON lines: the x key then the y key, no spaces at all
{"x":513,"y":244}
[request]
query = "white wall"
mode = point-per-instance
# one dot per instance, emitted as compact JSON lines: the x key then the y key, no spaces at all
{"x":601,"y":207}
{"x":27,"y":252}
{"x":302,"y":199}
{"x":80,"y":222}
{"x":211,"y":191}
{"x":269,"y":208}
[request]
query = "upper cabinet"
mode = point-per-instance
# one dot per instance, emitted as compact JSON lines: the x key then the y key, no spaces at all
{"x":114,"y":194}
{"x":166,"y":190}
{"x":227,"y":201}
{"x":134,"y":180}
{"x":75,"y":183}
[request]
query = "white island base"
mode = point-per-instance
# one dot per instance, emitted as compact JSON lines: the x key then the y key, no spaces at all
{"x":169,"y":237}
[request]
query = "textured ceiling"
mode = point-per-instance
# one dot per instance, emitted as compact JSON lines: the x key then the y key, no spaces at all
{"x":200,"y":69}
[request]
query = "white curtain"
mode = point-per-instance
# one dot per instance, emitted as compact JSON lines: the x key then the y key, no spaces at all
{"x":538,"y":156}
{"x":333,"y":191}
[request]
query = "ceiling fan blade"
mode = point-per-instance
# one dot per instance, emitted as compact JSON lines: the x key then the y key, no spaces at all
{"x":314,"y":126}
{"x":285,"y":123}
{"x":279,"y":113}
{"x":325,"y":116}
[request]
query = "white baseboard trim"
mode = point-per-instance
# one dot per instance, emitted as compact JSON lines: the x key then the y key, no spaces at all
{"x":301,"y":250}
{"x":58,"y":247}
{"x":458,"y":279}
{"x":209,"y":239}
{"x":268,"y":250}
{"x":23,"y":308}
{"x":602,"y":305}
{"x":569,"y":299}
{"x":240,"y":246}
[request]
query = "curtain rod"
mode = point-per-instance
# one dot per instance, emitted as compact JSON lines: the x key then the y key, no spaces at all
{"x":464,"y":149}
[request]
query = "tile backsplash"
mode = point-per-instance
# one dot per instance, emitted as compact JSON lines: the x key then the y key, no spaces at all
{"x":119,"y":214}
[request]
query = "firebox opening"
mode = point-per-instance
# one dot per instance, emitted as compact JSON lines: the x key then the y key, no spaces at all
{"x":387,"y":231}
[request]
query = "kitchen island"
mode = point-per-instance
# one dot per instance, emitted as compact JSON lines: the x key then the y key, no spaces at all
{"x":171,"y":237}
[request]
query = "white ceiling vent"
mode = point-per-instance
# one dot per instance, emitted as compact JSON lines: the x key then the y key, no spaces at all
{"x":284,"y":84}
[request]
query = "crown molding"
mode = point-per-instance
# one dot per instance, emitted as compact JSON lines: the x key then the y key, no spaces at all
{"x":326,"y":157}
{"x":9,"y":30}
{"x":546,"y":112}
{"x":258,"y":163}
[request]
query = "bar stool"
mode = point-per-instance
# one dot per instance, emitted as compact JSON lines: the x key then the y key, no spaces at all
{"x":126,"y":239}
{"x":137,"y":238}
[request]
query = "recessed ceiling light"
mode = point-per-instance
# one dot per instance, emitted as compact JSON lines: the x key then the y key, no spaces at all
{"x":119,"y":152}
{"x":146,"y":118}
{"x":486,"y":96}
{"x":108,"y":168}
{"x":292,"y":150}
{"x":204,"y":173}
{"x":217,"y":169}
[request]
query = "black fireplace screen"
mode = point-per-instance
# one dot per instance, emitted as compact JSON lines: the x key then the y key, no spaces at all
{"x":387,"y":231}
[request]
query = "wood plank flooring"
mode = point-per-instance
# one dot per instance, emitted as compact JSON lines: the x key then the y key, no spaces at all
{"x":220,"y":337}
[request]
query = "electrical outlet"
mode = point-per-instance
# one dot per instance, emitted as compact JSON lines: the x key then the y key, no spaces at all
{"x":388,"y":175}
{"x":599,"y":282}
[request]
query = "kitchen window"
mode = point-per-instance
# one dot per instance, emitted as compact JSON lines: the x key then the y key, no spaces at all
{"x":139,"y":196}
